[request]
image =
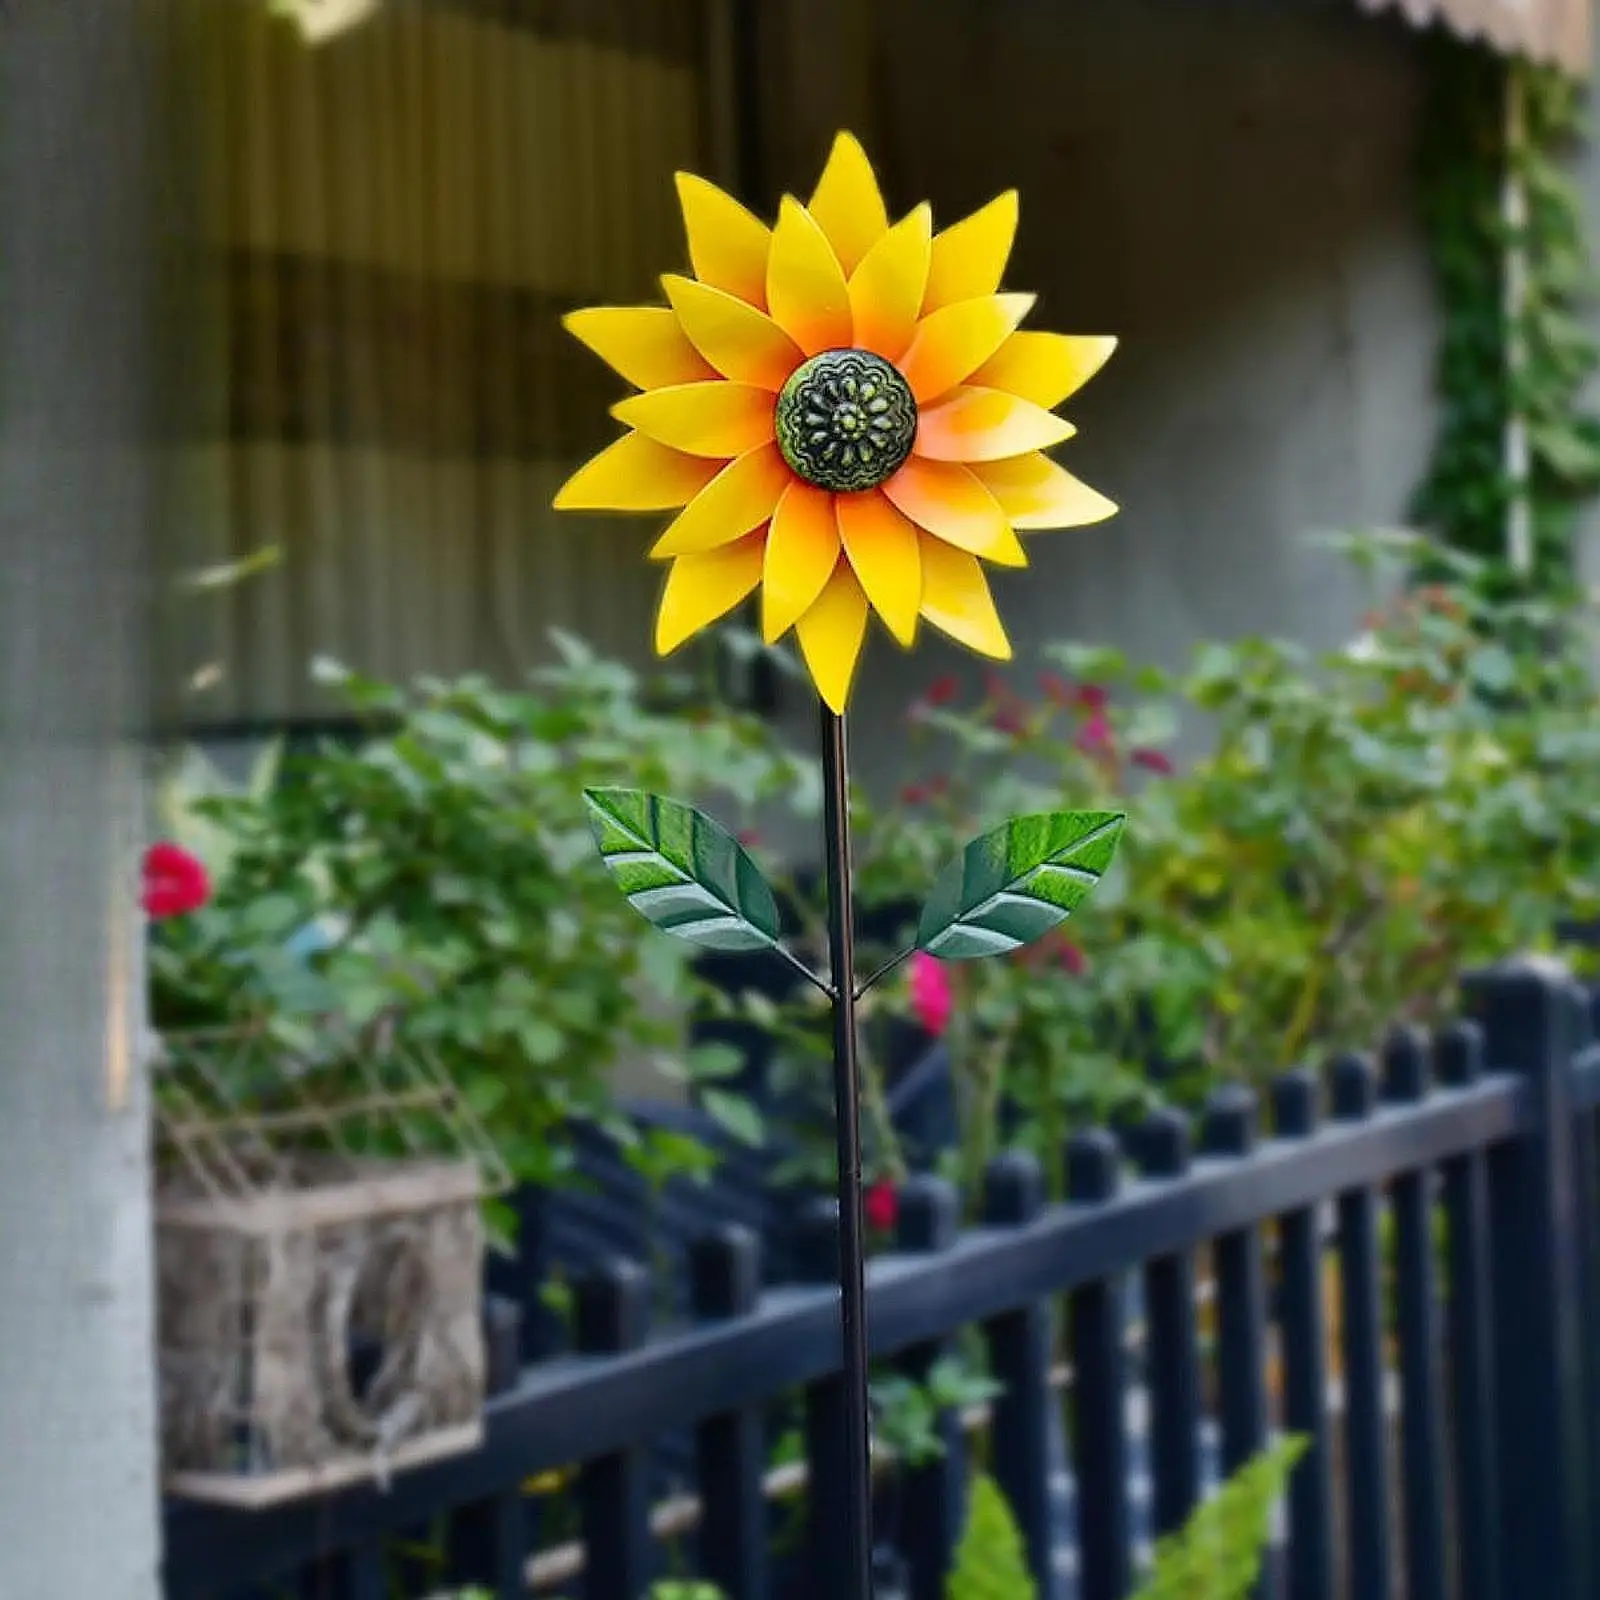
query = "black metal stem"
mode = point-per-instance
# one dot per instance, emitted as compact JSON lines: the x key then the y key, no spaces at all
{"x":847,"y":1133}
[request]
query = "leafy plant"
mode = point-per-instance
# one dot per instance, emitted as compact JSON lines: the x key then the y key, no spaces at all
{"x":1364,"y":825}
{"x":441,"y":871}
{"x":1216,"y":1556}
{"x":991,"y":1563}
{"x":1218,"y":1553}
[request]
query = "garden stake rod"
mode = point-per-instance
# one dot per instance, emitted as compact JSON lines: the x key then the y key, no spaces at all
{"x":846,"y":418}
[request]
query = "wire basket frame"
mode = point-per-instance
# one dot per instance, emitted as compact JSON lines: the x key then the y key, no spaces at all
{"x":319,"y":1259}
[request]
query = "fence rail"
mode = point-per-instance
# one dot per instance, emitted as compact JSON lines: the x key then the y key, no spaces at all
{"x":1499,"y":1397}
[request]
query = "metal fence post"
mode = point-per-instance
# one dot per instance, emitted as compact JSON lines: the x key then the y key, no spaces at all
{"x":1535,"y":1020}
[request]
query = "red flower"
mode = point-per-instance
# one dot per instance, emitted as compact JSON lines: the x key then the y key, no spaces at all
{"x":1092,"y":698}
{"x":1007,"y":719}
{"x":1157,"y":761}
{"x":931,"y":997}
{"x":1094,"y":737}
{"x":175,"y":882}
{"x":914,"y":794}
{"x":749,"y":838}
{"x":1071,"y":958}
{"x":941,"y":691}
{"x":882,"y":1205}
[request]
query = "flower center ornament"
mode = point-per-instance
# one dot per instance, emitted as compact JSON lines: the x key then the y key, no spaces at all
{"x":846,"y":421}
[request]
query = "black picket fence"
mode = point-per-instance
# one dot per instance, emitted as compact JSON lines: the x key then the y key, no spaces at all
{"x":1481,"y":1488}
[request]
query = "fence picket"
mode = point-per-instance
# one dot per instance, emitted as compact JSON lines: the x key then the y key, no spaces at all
{"x":1019,"y":1354}
{"x":1230,"y":1133}
{"x":932,"y":1495}
{"x":1416,"y":1305}
{"x":613,"y":1315}
{"x":1535,"y":1022}
{"x":1312,"y":1573}
{"x":730,"y":1454}
{"x":1172,"y":1342}
{"x":1100,"y":1393}
{"x":1364,"y":1378}
{"x":1458,"y":1064}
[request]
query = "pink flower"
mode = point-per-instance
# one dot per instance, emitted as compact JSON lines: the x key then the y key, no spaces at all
{"x":931,"y":997}
{"x":1157,"y":761}
{"x":175,"y":882}
{"x":1094,"y":737}
{"x":1092,"y":698}
{"x":1007,"y":719}
{"x":882,"y":1205}
{"x":1070,"y":958}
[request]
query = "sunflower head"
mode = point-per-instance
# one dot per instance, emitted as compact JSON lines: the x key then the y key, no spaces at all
{"x":845,"y":413}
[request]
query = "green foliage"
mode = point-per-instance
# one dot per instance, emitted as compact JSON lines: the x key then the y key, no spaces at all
{"x":1365,"y":824}
{"x":991,"y":1563}
{"x":1016,"y":883}
{"x":1216,"y":1556}
{"x":442,"y":870}
{"x":1218,"y":1553}
{"x":679,"y":1589}
{"x":1467,"y":493}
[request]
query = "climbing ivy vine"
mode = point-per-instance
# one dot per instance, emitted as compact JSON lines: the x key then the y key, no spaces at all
{"x":1466,"y":495}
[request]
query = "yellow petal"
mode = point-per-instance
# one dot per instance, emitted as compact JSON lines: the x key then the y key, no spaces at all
{"x":1045,"y":367}
{"x":969,"y":257}
{"x":831,"y":633}
{"x":727,"y":245}
{"x":703,"y":419}
{"x":956,"y":600}
{"x":1037,"y":493}
{"x":952,"y":343}
{"x":806,"y":289}
{"x":886,"y":289}
{"x":882,"y":547}
{"x":740,"y":497}
{"x":985,"y":425}
{"x":802,"y":551}
{"x":947,"y":500}
{"x":740,"y":342}
{"x":635,"y":474}
{"x":644,"y":343}
{"x":701,"y":588}
{"x":848,"y":204}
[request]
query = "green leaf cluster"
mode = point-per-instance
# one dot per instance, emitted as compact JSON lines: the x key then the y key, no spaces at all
{"x":1489,"y":368}
{"x":440,"y":869}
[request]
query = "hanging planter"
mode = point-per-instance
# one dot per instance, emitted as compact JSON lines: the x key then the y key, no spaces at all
{"x":319,"y":1250}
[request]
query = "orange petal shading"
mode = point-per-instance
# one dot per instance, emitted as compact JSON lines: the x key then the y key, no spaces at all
{"x":848,"y":204}
{"x":947,"y":500}
{"x":635,"y":474}
{"x":986,"y":425}
{"x":743,"y":494}
{"x":1036,"y":493}
{"x":703,"y":419}
{"x":886,"y":289}
{"x":701,"y":588}
{"x":728,"y":246}
{"x":645,"y":344}
{"x":969,"y":257}
{"x":806,"y":289}
{"x":1045,"y":367}
{"x":956,"y":600}
{"x":802,"y":551}
{"x":953,"y":342}
{"x":882,"y":547}
{"x":831,"y":634}
{"x":740,"y":342}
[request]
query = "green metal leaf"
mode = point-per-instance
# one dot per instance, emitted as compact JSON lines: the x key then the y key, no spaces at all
{"x":685,"y":873}
{"x":1017,"y":883}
